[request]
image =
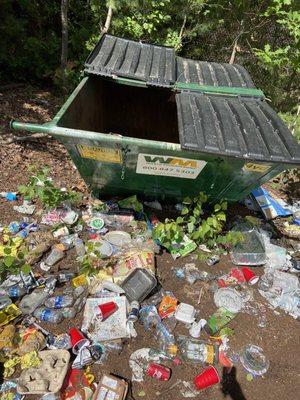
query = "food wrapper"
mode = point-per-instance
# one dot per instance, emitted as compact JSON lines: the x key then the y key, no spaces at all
{"x":131,"y":260}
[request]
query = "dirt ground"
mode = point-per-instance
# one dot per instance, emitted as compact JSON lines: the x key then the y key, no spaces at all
{"x":279,"y":339}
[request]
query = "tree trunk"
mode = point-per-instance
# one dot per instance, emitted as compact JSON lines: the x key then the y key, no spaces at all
{"x":64,"y":40}
{"x":108,"y":21}
{"x":232,"y":57}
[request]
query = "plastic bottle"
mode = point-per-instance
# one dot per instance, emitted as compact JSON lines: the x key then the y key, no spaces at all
{"x":10,"y":196}
{"x":59,"y":301}
{"x":16,"y":291}
{"x":48,"y":315}
{"x":79,"y":247}
{"x":166,"y":340}
{"x":4,"y":301}
{"x":198,"y":351}
{"x":14,"y":227}
{"x":149,"y":317}
{"x":69,"y":312}
{"x":30,"y":302}
{"x":54,"y":256}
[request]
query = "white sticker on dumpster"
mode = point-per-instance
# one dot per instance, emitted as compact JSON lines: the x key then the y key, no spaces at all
{"x":153,"y":164}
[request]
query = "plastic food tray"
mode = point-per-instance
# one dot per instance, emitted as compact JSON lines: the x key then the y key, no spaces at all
{"x":139,"y":284}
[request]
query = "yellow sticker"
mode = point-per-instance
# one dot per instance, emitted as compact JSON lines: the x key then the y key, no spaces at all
{"x":256,"y":167}
{"x":104,"y":154}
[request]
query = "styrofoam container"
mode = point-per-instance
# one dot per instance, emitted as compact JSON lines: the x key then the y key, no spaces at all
{"x":185,"y":313}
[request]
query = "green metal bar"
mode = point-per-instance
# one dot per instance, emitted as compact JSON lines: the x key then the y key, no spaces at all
{"x":234,"y":91}
{"x":130,"y":82}
{"x":70,"y":99}
{"x":67,"y":133}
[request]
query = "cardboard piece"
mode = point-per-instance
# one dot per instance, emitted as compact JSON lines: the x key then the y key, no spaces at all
{"x":114,"y":327}
{"x":111,"y":388}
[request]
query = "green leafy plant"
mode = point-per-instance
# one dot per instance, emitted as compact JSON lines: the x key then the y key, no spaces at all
{"x":197,"y":224}
{"x":13,"y":261}
{"x":93,"y":260}
{"x":40,"y":186}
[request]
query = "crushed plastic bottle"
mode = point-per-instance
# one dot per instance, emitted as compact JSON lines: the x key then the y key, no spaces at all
{"x":55,"y":256}
{"x":149,"y":317}
{"x":35,"y":299}
{"x":79,"y":247}
{"x":48,"y":315}
{"x":10,"y":196}
{"x":16,"y":291}
{"x":59,"y":301}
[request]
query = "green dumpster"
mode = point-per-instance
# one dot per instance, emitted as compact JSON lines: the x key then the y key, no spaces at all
{"x":144,"y":121}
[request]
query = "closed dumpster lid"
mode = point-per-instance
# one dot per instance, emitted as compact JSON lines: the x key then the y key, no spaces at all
{"x":152,"y":64}
{"x":211,"y":73}
{"x":242,"y":127}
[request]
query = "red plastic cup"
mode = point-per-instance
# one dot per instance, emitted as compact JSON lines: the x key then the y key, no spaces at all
{"x":77,"y":339}
{"x":159,"y":372}
{"x":208,"y":377}
{"x":107,"y":309}
{"x":237,"y":274}
{"x":250,"y":276}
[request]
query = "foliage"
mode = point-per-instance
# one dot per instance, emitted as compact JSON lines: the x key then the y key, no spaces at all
{"x":93,"y":259}
{"x":41,"y":187}
{"x":261,"y":31}
{"x":196,"y":224}
{"x":13,"y":261}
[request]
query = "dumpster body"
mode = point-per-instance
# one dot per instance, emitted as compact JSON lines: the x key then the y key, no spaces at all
{"x":171,"y":129}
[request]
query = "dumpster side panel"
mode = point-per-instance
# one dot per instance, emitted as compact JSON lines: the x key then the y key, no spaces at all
{"x":115,"y":169}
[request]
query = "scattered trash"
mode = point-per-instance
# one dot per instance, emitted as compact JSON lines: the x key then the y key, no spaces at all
{"x":114,"y":286}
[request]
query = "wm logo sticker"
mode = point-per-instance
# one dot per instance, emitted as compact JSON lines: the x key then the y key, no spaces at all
{"x":153,"y":164}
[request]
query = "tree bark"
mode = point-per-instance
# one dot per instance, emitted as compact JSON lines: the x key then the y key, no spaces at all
{"x":64,"y":40}
{"x":108,"y":21}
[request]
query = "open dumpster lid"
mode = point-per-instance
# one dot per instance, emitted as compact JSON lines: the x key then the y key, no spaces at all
{"x":152,"y":64}
{"x":211,"y":73}
{"x":234,"y":126}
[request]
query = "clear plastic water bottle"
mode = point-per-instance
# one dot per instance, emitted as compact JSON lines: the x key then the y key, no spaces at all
{"x":14,"y":227}
{"x":149,"y":317}
{"x":33,"y":300}
{"x":69,"y":312}
{"x":59,"y":301}
{"x":165,"y":338}
{"x":79,"y":247}
{"x":16,"y":291}
{"x":10,"y":196}
{"x":54,"y":256}
{"x":48,"y":315}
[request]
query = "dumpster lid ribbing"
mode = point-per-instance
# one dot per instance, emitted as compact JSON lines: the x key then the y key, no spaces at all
{"x":212,"y":74}
{"x":234,"y":126}
{"x":152,"y":64}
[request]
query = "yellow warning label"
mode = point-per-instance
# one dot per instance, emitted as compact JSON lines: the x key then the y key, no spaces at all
{"x":256,"y":167}
{"x":104,"y":154}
